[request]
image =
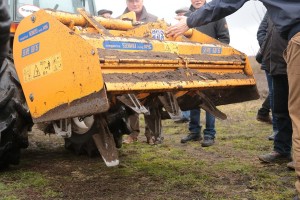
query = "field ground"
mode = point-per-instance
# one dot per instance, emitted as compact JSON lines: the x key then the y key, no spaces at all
{"x":228,"y":170}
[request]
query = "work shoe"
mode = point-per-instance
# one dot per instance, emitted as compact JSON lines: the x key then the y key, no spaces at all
{"x":291,"y":165}
{"x":130,"y":139}
{"x":272,"y":136}
{"x":191,"y":137}
{"x":264,"y":118}
{"x":273,"y":157}
{"x":207,"y":142}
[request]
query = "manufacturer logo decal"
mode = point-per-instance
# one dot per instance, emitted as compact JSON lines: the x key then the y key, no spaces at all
{"x":34,"y":32}
{"x":127,"y":45}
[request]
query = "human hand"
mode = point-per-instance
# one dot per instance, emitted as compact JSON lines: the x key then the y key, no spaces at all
{"x":179,"y":28}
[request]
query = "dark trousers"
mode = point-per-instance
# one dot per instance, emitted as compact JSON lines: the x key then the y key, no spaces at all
{"x":265,"y":107}
{"x":283,"y":139}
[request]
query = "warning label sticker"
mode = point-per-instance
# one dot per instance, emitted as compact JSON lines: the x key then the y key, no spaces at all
{"x":42,"y":68}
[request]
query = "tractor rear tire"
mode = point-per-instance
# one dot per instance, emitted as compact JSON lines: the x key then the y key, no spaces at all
{"x":15,"y":119}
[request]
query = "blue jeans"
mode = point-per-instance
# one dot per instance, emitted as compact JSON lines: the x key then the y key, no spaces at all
{"x":271,"y":97}
{"x":186,"y":115}
{"x":195,"y":127}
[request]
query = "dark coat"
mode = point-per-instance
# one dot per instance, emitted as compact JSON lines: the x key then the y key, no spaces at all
{"x":4,"y":30}
{"x":284,"y":13}
{"x":275,"y":46}
{"x":218,"y":29}
{"x":145,"y":17}
{"x":262,"y":30}
{"x":261,"y":38}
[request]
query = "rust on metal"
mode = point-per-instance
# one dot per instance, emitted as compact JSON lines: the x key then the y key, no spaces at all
{"x":105,"y":142}
{"x":91,"y":104}
{"x":78,"y":20}
{"x":163,"y":57}
{"x":93,"y":21}
{"x":180,"y":74}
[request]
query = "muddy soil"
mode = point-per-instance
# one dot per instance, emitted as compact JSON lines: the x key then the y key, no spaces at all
{"x":181,"y":74}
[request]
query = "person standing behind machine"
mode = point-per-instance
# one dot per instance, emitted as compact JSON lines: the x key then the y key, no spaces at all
{"x":182,"y":11}
{"x":219,"y":31}
{"x":264,"y":51}
{"x":142,"y":15}
{"x":105,"y":13}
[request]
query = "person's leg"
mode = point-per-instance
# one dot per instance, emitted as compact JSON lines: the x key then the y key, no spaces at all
{"x":265,"y":107}
{"x":283,"y":139}
{"x":194,"y":127}
{"x":135,"y":126}
{"x":292,"y":58}
{"x":209,"y":131}
{"x":263,"y":113}
{"x":271,"y":97}
{"x":186,"y":115}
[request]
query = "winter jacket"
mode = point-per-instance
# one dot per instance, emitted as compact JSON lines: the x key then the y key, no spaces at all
{"x":218,"y":29}
{"x":261,"y":38}
{"x":262,"y":30}
{"x":284,"y":14}
{"x":145,"y":17}
{"x":273,"y":57}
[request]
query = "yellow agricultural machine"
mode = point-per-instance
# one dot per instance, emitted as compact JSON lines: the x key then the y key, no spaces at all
{"x":82,"y":76}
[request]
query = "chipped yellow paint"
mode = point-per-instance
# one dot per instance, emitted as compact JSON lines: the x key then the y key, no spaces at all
{"x":78,"y":72}
{"x":42,"y":68}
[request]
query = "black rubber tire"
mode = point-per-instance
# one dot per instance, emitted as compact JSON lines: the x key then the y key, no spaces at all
{"x":15,"y":119}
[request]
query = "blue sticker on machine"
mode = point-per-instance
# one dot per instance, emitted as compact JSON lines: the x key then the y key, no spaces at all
{"x":158,"y":34}
{"x":211,"y":50}
{"x":30,"y":50}
{"x":34,"y":32}
{"x":127,"y":45}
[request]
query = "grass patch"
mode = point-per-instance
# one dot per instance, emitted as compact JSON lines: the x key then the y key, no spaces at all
{"x":227,"y":170}
{"x":17,"y":184}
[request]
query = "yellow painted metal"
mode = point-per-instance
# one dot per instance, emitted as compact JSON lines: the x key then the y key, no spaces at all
{"x":79,"y":20}
{"x":91,"y":20}
{"x":232,"y":61}
{"x":43,"y":68}
{"x":184,"y":48}
{"x":55,"y":65}
{"x":80,"y":56}
{"x":130,"y":16}
{"x":180,"y":93}
{"x":151,"y":86}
